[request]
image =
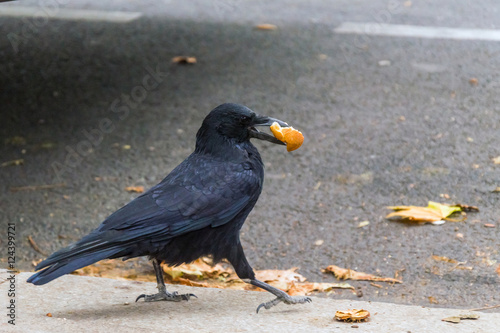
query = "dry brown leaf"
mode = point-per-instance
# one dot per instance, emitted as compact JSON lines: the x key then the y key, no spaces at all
{"x":352,"y":315}
{"x":184,"y":60}
{"x":306,"y":288}
{"x":432,"y":300}
{"x":135,"y":189}
{"x":118,"y":269}
{"x":445,"y":259}
{"x":266,"y":26}
{"x":191,"y":283}
{"x":289,"y":275}
{"x":198,"y":269}
{"x":349,"y":274}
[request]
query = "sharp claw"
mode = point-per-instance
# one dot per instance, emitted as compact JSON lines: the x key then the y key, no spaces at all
{"x":258,"y":308}
{"x":163,"y":296}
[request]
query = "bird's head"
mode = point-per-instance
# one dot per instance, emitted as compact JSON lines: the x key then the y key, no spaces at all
{"x":234,"y":123}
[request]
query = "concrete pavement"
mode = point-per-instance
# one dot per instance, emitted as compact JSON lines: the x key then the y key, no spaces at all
{"x":89,"y":304}
{"x":388,"y":120}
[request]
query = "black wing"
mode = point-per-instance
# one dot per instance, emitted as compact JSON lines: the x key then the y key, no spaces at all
{"x":200,"y":192}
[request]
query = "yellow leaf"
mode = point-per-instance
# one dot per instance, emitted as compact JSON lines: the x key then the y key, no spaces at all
{"x":433,"y":213}
{"x":443,"y":209}
{"x":415,"y":214}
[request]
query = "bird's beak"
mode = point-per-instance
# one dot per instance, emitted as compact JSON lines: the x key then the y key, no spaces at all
{"x":265,"y":121}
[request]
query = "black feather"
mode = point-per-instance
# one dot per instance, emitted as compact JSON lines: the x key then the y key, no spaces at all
{"x":198,"y":209}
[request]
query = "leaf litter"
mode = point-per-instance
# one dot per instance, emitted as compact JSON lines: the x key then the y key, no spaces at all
{"x":203,"y":273}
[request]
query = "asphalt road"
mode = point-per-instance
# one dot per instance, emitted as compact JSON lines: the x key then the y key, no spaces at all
{"x":388,"y":120}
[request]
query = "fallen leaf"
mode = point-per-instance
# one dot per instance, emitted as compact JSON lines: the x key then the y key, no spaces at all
{"x":266,"y":26}
{"x":457,"y":319}
{"x":432,"y":300}
{"x":363,"y":224}
{"x":289,"y":275}
{"x":306,"y":288}
{"x":49,"y":314}
{"x":433,"y":213}
{"x":496,"y":160}
{"x":12,"y":162}
{"x":349,"y":274}
{"x":497,"y":189}
{"x":445,"y":259}
{"x":352,"y":315}
{"x":191,"y":283}
{"x":469,"y":315}
{"x":184,"y":60}
{"x":200,"y":269}
{"x":136,"y":189}
{"x":453,"y":319}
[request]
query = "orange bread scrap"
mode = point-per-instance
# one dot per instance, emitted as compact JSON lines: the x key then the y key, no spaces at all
{"x":288,"y":135}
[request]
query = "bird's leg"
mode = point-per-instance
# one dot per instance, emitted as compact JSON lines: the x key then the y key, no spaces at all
{"x":245,"y":272}
{"x":163,"y":294}
{"x":281,"y":296}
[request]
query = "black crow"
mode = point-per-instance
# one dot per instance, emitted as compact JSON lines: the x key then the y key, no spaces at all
{"x":197,"y":210}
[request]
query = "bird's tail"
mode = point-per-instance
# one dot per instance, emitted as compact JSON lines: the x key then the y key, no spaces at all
{"x":83,"y":253}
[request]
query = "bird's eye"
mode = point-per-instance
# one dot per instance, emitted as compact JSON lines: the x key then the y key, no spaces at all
{"x":244,"y":119}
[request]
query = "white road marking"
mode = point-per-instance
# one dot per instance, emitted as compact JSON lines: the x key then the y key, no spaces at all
{"x":68,"y":14}
{"x":397,"y":30}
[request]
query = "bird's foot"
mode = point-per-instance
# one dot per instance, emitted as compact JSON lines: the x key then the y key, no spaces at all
{"x":166,"y":296}
{"x":285,"y":299}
